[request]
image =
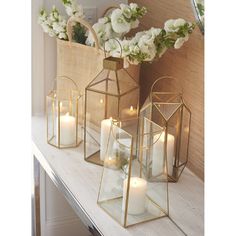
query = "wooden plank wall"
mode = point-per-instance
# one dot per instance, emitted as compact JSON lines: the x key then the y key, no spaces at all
{"x":186,"y":64}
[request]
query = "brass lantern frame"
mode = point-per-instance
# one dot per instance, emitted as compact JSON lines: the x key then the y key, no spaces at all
{"x":134,"y":169}
{"x":155,"y":101}
{"x":55,"y":103}
{"x":110,"y":65}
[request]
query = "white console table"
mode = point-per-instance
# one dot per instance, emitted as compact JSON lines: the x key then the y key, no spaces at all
{"x":79,"y":180}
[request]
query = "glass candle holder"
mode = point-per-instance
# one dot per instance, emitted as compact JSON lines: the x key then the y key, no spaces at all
{"x":63,"y":120}
{"x":126,"y":193}
{"x":165,"y":106}
{"x":114,"y":94}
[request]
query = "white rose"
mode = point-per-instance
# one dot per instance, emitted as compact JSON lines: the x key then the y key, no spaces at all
{"x":126,"y":10}
{"x":119,"y":24}
{"x":180,"y":41}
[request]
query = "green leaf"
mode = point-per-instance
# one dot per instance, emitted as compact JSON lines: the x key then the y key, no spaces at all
{"x":79,"y":34}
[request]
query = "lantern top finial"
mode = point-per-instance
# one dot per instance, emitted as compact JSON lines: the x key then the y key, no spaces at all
{"x":113,"y":63}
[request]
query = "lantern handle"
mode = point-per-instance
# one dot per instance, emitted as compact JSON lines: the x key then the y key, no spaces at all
{"x":63,"y":77}
{"x":104,"y":47}
{"x":168,"y":78}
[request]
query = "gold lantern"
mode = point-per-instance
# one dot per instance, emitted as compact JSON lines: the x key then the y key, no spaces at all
{"x":125,"y":192}
{"x":165,"y":106}
{"x":112,"y":94}
{"x":64,"y":125}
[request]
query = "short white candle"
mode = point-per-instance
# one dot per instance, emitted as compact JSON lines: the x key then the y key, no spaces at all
{"x":105,"y":132}
{"x":158,"y":153}
{"x":67,"y":130}
{"x":137,"y":195}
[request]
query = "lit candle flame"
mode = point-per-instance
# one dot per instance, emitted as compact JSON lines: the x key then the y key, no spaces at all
{"x":131,"y":108}
{"x":101,"y":100}
{"x":109,"y":158}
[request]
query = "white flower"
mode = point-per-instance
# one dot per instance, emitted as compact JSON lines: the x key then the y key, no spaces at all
{"x":75,"y":9}
{"x":125,"y":47}
{"x":137,"y":37}
{"x":200,"y":2}
{"x":134,"y":24}
{"x":103,"y":20}
{"x":179,"y":22}
{"x":113,"y":46}
{"x":57,"y":27}
{"x":51,"y":33}
{"x":69,"y":10}
{"x":62,"y":35}
{"x":180,"y":41}
{"x":103,"y":32}
{"x":126,"y":10}
{"x":133,"y":6}
{"x":149,"y":49}
{"x":119,"y":24}
{"x":173,"y":25}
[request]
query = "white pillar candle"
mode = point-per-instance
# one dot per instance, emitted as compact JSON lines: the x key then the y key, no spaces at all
{"x":67,"y":130}
{"x":137,"y":195}
{"x":105,"y":132}
{"x":158,"y":154}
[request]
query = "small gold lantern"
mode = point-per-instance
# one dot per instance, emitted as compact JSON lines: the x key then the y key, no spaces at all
{"x":165,"y":106}
{"x":125,"y":193}
{"x":114,"y":94}
{"x":63,"y":120}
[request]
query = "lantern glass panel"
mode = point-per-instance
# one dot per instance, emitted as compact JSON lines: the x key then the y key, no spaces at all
{"x":64,"y":125}
{"x":167,"y":109}
{"x":125,"y":192}
{"x":112,"y":94}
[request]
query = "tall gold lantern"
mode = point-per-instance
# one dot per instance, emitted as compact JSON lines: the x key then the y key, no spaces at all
{"x":165,"y":106}
{"x":64,"y":109}
{"x":112,"y":94}
{"x":125,"y":192}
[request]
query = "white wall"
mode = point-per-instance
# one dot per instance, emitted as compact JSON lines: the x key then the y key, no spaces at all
{"x":57,"y":218}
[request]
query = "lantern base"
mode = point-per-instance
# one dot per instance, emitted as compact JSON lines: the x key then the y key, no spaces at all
{"x":95,"y":159}
{"x":113,"y":207}
{"x":53,"y":141}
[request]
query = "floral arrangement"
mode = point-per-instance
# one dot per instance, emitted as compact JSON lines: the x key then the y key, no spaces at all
{"x":145,"y":46}
{"x":119,"y":22}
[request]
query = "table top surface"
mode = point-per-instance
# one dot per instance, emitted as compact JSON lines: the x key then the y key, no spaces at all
{"x":80,"y":181}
